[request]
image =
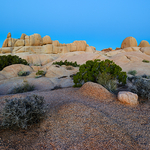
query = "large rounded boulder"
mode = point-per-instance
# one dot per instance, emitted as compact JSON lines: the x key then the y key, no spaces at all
{"x":129,"y":42}
{"x":144,"y":43}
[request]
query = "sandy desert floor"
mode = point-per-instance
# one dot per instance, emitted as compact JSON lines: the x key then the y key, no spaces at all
{"x":77,"y":122}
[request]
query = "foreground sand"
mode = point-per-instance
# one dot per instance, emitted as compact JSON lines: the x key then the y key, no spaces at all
{"x":78,"y":122}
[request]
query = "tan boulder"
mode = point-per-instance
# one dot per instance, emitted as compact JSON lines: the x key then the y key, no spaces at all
{"x":80,"y":45}
{"x":23,"y":36}
{"x":9,"y":35}
{"x":117,"y":48}
{"x":9,"y":42}
{"x":145,"y":50}
{"x":5,"y":43}
{"x":96,"y":91}
{"x":47,"y":40}
{"x":128,"y":97}
{"x":55,"y":43}
{"x":107,"y":49}
{"x":6,"y":50}
{"x":129,"y":42}
{"x":73,"y":47}
{"x":90,"y":49}
{"x":0,"y":50}
{"x":36,"y":40}
{"x":144,"y":44}
{"x":12,"y":70}
{"x":131,"y":49}
{"x":27,"y":40}
{"x":48,"y":49}
{"x":19,"y":42}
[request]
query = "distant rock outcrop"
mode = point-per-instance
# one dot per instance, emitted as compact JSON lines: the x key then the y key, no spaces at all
{"x":144,"y":43}
{"x":129,"y":42}
{"x":35,"y":44}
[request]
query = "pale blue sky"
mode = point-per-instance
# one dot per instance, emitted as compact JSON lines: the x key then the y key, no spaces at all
{"x":102,"y":23}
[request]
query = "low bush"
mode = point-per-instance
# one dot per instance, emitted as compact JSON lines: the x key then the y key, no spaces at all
{"x":106,"y":81}
{"x":41,"y":72}
{"x":25,"y":87}
{"x":145,"y":61}
{"x":23,"y":73}
{"x":10,"y":60}
{"x":23,"y":112}
{"x":67,"y":63}
{"x":141,"y":86}
{"x":91,"y":69}
{"x":132,"y":72}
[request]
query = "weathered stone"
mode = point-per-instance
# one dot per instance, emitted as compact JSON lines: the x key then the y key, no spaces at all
{"x":129,"y":42}
{"x":23,"y":36}
{"x":19,"y":42}
{"x":48,"y":49}
{"x":47,"y":40}
{"x":9,"y":35}
{"x":5,"y":43}
{"x":6,"y":50}
{"x":80,"y":45}
{"x":90,"y":49}
{"x":96,"y":91}
{"x":145,"y":50}
{"x":144,"y":43}
{"x":128,"y":97}
{"x":36,"y":40}
{"x":107,"y":49}
{"x":27,"y":40}
{"x":55,"y":43}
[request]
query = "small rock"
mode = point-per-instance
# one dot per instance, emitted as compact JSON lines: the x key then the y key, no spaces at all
{"x":128,"y":97}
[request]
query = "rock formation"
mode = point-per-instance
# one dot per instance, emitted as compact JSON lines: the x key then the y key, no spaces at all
{"x":129,"y":42}
{"x":35,"y":44}
{"x":144,"y":43}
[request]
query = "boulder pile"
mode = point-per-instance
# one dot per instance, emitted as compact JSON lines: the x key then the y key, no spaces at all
{"x":35,"y":44}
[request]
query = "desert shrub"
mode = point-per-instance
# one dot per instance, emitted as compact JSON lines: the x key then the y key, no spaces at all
{"x":106,"y":81}
{"x":67,"y":63}
{"x":25,"y":87}
{"x":141,"y":86}
{"x":23,"y":73}
{"x":69,"y":68}
{"x":132,"y":72}
{"x":41,"y":72}
{"x":145,"y":61}
{"x":91,"y":69}
{"x":23,"y":112}
{"x":10,"y":60}
{"x":37,"y":65}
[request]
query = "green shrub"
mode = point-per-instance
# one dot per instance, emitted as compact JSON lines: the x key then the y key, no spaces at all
{"x":25,"y":87}
{"x":146,"y":61}
{"x":141,"y":86}
{"x":132,"y":72}
{"x":66,"y":63}
{"x":10,"y":60}
{"x":91,"y":70}
{"x":23,"y":73}
{"x":106,"y":81}
{"x":41,"y":72}
{"x":23,"y":112}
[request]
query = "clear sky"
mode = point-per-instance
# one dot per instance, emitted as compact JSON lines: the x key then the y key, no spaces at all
{"x":102,"y":23}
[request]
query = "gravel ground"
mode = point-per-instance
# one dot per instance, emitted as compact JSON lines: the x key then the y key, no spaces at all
{"x":78,"y":122}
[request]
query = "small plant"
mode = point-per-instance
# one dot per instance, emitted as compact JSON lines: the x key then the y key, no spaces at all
{"x":106,"y":81}
{"x":23,"y":73}
{"x":37,"y":65}
{"x":10,"y":60}
{"x":132,"y":72}
{"x":66,"y":63}
{"x":25,"y":87}
{"x":23,"y":112}
{"x":41,"y":72}
{"x":91,"y":70}
{"x":145,"y":61}
{"x":69,"y":67}
{"x":141,"y":86}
